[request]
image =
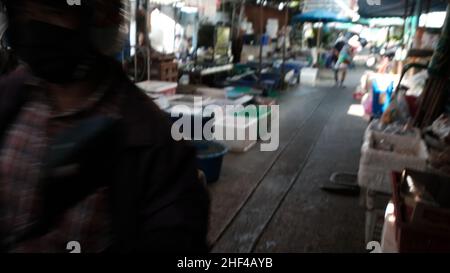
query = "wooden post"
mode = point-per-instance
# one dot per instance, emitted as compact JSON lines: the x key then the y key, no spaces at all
{"x":283,"y":72}
{"x":405,"y":15}
{"x":233,"y":19}
{"x":428,"y":6}
{"x":149,"y":60}
{"x":149,"y":46}
{"x":261,"y":33}
{"x":175,"y":18}
{"x":319,"y":30}
{"x":434,"y":95}
{"x":135,"y":63}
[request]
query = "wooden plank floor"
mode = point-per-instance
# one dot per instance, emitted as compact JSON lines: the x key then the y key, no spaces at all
{"x":271,"y":201}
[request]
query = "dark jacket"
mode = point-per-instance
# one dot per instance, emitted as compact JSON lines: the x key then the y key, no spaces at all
{"x":8,"y":61}
{"x":159,"y":204}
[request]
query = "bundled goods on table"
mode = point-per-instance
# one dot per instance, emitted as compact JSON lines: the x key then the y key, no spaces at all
{"x":425,"y":39}
{"x":390,"y":143}
{"x":181,"y":100}
{"x":268,"y":79}
{"x":374,"y":91}
{"x":273,"y":73}
{"x":404,"y":104}
{"x":164,"y":71}
{"x":395,"y":128}
{"x":252,"y":52}
{"x":380,"y":99}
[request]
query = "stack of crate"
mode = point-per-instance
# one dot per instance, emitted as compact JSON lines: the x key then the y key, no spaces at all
{"x":164,"y":70}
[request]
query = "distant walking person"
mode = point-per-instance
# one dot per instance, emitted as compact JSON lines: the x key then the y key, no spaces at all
{"x":344,"y":59}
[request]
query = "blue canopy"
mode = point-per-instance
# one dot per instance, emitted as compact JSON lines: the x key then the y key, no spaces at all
{"x":319,"y":15}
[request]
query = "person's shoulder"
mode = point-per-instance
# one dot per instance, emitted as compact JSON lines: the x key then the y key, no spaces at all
{"x":146,"y":123}
{"x":11,"y":83}
{"x":16,"y":77}
{"x":12,"y":95}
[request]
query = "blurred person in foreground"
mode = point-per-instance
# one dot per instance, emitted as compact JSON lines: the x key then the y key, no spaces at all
{"x":84,"y":155}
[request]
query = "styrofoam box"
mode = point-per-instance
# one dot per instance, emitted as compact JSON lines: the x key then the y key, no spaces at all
{"x":375,"y":126}
{"x":216,"y":93}
{"x":308,"y":76}
{"x":164,"y":88}
{"x":236,"y":124}
{"x":376,"y":166}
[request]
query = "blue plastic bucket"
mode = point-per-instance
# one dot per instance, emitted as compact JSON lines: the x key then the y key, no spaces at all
{"x":209,"y":158}
{"x":265,"y":39}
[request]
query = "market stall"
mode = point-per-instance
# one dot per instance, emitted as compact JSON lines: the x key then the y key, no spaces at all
{"x":403,"y":167}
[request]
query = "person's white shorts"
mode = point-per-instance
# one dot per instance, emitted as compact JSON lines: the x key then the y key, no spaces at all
{"x":341,"y":66}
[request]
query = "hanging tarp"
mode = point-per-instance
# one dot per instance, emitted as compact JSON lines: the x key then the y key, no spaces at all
{"x":395,"y":8}
{"x":320,"y":15}
{"x":331,"y":5}
{"x":440,"y":63}
{"x":386,"y":22}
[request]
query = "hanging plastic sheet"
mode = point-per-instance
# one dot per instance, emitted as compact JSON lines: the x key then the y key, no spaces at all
{"x":394,"y":8}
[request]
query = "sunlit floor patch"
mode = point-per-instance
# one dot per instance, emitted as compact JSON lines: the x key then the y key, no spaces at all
{"x":356,"y":110}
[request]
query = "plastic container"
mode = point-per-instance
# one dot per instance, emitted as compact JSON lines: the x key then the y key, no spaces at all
{"x":262,"y":114}
{"x":238,"y":126}
{"x":308,"y":76}
{"x":209,"y":158}
{"x":184,"y":80}
{"x":268,"y":80}
{"x":271,"y":80}
{"x":297,"y":66}
{"x":240,"y":69}
{"x":158,"y":87}
{"x":236,"y":91}
{"x":376,"y":163}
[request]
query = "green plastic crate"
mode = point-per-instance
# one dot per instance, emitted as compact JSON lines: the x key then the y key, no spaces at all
{"x":259,"y":113}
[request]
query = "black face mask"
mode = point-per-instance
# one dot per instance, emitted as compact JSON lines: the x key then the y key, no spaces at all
{"x":55,"y":54}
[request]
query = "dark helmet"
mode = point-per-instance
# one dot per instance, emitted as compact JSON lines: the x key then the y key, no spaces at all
{"x":104,"y":20}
